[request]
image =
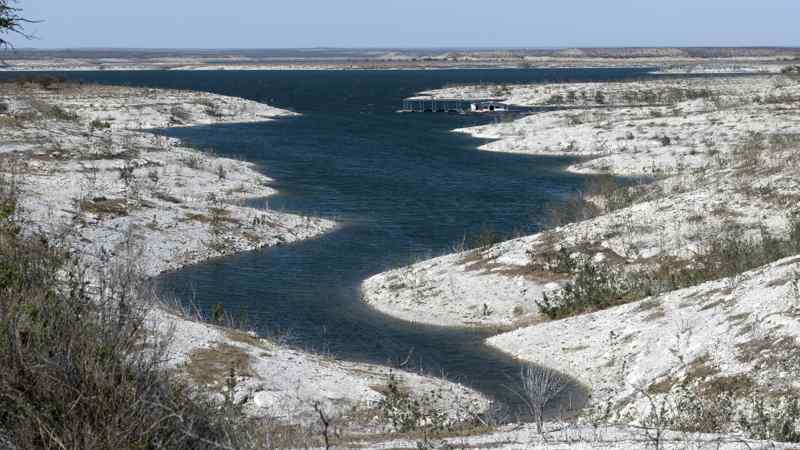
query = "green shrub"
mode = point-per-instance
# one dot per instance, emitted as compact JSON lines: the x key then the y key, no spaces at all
{"x":594,"y":288}
{"x":759,"y":415}
{"x":408,"y":414}
{"x":600,"y":286}
{"x":58,"y":113}
{"x":775,"y":418}
{"x":98,"y":124}
{"x":697,"y":413}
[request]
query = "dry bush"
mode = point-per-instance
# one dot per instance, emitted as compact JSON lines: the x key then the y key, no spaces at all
{"x":75,"y":371}
{"x":105,"y":206}
{"x":602,"y":194}
{"x":576,"y":208}
{"x":180,"y":115}
{"x":211,"y":108}
{"x":759,"y":415}
{"x":540,"y":386}
{"x":601,"y":286}
{"x":194,"y":161}
{"x":53,"y":112}
{"x":422,"y":417}
{"x":83,"y":368}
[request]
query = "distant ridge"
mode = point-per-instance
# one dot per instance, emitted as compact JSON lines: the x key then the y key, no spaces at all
{"x":368,"y":53}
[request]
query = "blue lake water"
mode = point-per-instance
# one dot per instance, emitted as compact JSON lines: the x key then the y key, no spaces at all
{"x":403,"y":187}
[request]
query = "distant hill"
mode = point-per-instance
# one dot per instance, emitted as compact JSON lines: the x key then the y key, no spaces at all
{"x":376,"y":53}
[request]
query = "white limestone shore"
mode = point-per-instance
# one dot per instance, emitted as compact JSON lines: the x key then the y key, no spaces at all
{"x":90,"y":175}
{"x":723,"y":155}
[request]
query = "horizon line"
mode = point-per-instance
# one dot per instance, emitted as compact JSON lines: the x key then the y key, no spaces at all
{"x":478,"y":47}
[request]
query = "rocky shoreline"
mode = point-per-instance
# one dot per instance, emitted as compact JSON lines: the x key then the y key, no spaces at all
{"x":720,"y":155}
{"x":92,"y":177}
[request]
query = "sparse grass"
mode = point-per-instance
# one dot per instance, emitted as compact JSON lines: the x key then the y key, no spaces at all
{"x":252,"y":237}
{"x":753,"y":349}
{"x":748,"y":153}
{"x":664,"y":386}
{"x":731,"y":404}
{"x":212,"y":366}
{"x":104,"y":206}
{"x":9,"y":121}
{"x":575,"y":208}
{"x":53,"y":112}
{"x":700,"y":369}
{"x":737,"y":385}
{"x":197,"y":217}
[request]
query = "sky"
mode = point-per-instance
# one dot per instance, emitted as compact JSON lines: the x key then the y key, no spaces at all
{"x":410,"y":23}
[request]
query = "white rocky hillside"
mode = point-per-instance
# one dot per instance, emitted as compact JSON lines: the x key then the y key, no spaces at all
{"x":675,"y":126}
{"x":738,"y":174}
{"x":724,"y":154}
{"x":499,"y":286}
{"x":85,"y":166}
{"x":88,"y":175}
{"x":741,"y":332}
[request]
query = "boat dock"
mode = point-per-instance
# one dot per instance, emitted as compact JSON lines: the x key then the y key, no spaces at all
{"x":453,"y":106}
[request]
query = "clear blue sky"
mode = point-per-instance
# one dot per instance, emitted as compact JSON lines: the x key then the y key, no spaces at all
{"x":411,"y":23}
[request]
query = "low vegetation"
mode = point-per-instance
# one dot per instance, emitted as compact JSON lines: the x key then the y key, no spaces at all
{"x":104,"y":383}
{"x":598,"y":286}
{"x":84,"y":363}
{"x":758,"y":415}
{"x":105,"y":206}
{"x":81,"y":367}
{"x":602,"y":194}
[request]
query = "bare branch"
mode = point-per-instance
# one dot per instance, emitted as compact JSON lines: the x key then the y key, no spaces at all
{"x":12,"y":22}
{"x":540,"y":386}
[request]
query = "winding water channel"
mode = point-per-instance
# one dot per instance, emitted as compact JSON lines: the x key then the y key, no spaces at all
{"x":402,"y":186}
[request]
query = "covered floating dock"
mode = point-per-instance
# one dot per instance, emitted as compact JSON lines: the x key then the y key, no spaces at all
{"x":452,"y":106}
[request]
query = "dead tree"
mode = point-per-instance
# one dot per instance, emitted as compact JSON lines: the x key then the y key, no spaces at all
{"x":540,"y":386}
{"x":11,"y":22}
